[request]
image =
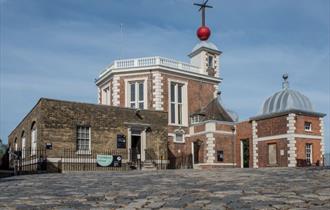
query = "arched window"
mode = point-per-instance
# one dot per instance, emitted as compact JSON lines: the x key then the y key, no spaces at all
{"x":15,"y":144}
{"x":33,"y":138}
{"x":23,"y":139}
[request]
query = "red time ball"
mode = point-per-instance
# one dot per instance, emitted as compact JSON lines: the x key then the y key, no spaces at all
{"x":203,"y":33}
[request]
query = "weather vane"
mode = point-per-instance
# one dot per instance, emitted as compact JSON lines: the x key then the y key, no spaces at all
{"x":203,"y":32}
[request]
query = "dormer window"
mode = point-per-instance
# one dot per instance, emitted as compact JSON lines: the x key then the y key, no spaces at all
{"x":196,"y":119}
{"x":308,"y":126}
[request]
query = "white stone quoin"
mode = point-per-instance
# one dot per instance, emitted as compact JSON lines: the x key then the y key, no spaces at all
{"x":292,"y":162}
{"x":322,"y":138}
{"x":210,"y":148}
{"x":157,"y":91}
{"x":210,"y":127}
{"x":255,"y":144}
{"x":115,"y":91}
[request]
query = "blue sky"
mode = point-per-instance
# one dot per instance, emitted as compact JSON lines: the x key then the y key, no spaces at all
{"x":56,"y":49}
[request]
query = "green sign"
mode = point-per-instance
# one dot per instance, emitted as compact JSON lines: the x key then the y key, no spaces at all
{"x":104,"y":160}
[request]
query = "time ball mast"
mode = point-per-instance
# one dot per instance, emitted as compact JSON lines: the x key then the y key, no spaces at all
{"x":203,"y":32}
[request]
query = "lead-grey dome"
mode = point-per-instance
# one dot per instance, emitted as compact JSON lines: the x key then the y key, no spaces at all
{"x":205,"y":44}
{"x":286,"y":99}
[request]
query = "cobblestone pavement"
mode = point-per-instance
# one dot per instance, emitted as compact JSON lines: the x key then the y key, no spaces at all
{"x":172,"y":189}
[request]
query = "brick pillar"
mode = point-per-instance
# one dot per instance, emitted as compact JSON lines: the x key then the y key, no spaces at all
{"x":292,"y":162}
{"x":255,"y":144}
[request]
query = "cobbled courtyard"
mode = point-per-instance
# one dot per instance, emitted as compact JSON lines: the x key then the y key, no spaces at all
{"x":172,"y":189}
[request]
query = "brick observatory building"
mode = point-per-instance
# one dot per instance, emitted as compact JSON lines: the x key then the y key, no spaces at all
{"x":184,"y":99}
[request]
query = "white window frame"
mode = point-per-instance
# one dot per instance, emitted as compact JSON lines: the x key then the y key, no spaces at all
{"x":34,"y":140}
{"x":128,"y":92}
{"x":309,"y":128}
{"x":178,"y":131}
{"x":309,"y":153}
{"x":195,"y":119}
{"x":185,"y":117}
{"x":15,"y":145}
{"x":106,"y":96}
{"x":23,"y":139}
{"x":80,"y":151}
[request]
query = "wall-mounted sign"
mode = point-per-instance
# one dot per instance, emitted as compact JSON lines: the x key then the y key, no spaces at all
{"x":108,"y":160}
{"x":121,"y":141}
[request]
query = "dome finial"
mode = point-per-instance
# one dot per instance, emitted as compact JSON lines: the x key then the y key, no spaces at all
{"x":285,"y":83}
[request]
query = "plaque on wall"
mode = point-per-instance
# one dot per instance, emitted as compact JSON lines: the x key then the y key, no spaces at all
{"x":108,"y":160}
{"x":121,"y":141}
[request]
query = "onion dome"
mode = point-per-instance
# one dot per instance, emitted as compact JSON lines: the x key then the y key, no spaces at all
{"x":286,"y":99}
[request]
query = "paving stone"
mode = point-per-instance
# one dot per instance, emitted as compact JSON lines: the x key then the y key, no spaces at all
{"x":268,"y":188}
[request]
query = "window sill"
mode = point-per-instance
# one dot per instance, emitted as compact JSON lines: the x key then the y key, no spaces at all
{"x":83,"y":152}
{"x":178,"y":125}
{"x":178,"y":142}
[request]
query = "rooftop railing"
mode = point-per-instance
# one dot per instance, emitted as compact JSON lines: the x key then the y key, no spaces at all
{"x":149,"y":62}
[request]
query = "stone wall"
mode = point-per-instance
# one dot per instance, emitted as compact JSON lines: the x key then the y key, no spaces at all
{"x":24,"y":127}
{"x":57,"y":123}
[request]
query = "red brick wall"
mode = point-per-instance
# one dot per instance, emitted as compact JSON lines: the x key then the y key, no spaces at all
{"x":244,"y":132}
{"x":199,"y":128}
{"x":272,"y":126}
{"x":149,"y":84}
{"x":300,"y":125}
{"x":202,"y":150}
{"x":281,"y":144}
{"x":224,"y":127}
{"x":226,"y":144}
{"x":301,"y":149}
{"x":199,"y":94}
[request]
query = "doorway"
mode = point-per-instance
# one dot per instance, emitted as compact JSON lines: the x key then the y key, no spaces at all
{"x":272,"y":154}
{"x":136,"y":147}
{"x":245,"y":154}
{"x":197,"y":146}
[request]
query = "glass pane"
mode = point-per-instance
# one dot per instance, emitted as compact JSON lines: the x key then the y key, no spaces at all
{"x":141,"y":105}
{"x":133,"y":105}
{"x":180,"y":93}
{"x":132,"y":91}
{"x":140,"y":91}
{"x":172,"y":113}
{"x":210,"y":61}
{"x":179,"y":137}
{"x":172,"y":92}
{"x":179,"y":113}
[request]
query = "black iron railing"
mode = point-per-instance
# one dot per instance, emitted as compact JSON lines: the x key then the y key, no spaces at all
{"x":105,"y":160}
